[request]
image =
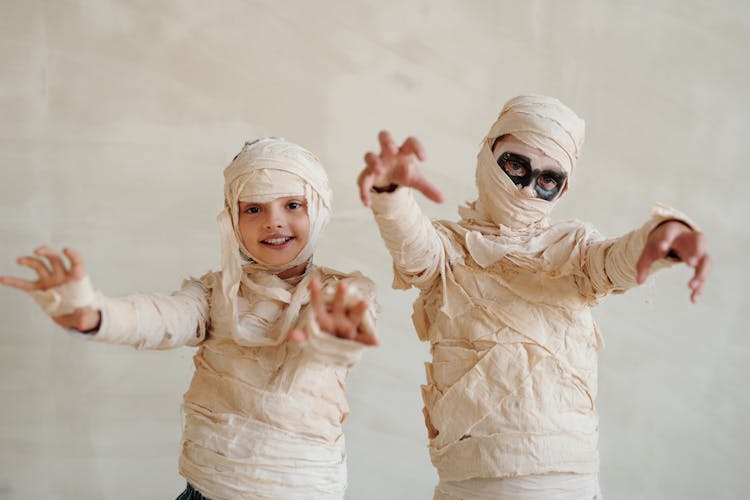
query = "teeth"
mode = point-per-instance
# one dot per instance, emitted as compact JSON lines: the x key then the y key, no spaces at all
{"x":276,"y":241}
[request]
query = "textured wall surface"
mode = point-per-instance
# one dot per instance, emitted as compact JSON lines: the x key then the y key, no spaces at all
{"x":117,"y":118}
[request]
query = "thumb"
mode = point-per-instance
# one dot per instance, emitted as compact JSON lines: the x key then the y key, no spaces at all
{"x":297,"y":335}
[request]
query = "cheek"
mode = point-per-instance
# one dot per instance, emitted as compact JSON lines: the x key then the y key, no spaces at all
{"x":248,"y":231}
{"x":302,"y":226}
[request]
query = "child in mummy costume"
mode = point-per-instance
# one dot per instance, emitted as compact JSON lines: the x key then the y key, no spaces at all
{"x":505,"y":304}
{"x":262,"y":415}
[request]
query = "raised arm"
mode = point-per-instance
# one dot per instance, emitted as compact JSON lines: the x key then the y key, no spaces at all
{"x":150,"y":321}
{"x":616,"y":265}
{"x":410,"y":237}
{"x":393,"y":167}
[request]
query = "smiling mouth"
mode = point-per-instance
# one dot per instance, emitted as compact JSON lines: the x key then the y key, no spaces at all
{"x":277,"y":242}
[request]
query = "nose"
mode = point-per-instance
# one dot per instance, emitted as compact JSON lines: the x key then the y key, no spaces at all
{"x":274,"y":218}
{"x":528,"y":191}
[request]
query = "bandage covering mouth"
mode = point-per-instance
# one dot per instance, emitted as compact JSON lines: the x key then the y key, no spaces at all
{"x":540,"y":122}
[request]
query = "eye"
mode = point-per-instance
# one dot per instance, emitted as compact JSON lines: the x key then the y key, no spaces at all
{"x":547,"y":182}
{"x":252,"y":209}
{"x":294,"y":205}
{"x":512,"y":167}
{"x":515,"y":169}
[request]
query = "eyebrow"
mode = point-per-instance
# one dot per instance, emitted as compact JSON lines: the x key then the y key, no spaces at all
{"x":514,"y":156}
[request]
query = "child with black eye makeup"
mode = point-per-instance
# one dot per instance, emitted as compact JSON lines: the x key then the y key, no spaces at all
{"x":505,"y":298}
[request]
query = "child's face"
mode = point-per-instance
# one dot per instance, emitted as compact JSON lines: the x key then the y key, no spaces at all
{"x":274,"y":232}
{"x":536,"y":174}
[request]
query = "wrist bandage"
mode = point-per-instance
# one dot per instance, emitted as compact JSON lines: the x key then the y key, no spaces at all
{"x":66,"y":298}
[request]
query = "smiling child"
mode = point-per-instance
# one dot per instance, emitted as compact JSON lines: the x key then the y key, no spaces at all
{"x":276,"y":335}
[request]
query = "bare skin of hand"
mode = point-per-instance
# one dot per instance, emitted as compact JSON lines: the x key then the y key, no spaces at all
{"x":336,"y":318}
{"x":51,"y":271}
{"x":689,"y":245}
{"x":395,"y":165}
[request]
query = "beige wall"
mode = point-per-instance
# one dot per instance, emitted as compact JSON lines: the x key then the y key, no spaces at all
{"x":116,"y":119}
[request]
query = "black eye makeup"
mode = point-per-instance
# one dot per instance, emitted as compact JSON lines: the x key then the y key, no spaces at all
{"x":547,"y":183}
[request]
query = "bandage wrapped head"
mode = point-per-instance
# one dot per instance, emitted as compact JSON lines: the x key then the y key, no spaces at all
{"x":540,"y":122}
{"x":264,"y":170}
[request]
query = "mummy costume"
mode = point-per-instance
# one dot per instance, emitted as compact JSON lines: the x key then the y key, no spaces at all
{"x":262,"y":415}
{"x":505,"y":304}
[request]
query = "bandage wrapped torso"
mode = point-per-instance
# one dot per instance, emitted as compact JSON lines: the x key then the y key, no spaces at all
{"x":505,"y":301}
{"x":253,"y":413}
{"x":511,"y":387}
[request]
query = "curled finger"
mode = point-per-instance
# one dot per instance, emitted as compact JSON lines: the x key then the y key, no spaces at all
{"x":37,"y":264}
{"x":297,"y":335}
{"x":698,"y":281}
{"x":55,"y":260}
{"x":657,"y":247}
{"x":346,"y":329}
{"x":366,"y":178}
{"x":365,"y":182}
{"x":316,"y":300}
{"x":412,"y":145}
{"x":339,"y":302}
{"x":77,"y":270}
{"x":357,"y":313}
{"x":387,"y":144}
{"x":690,"y":246}
{"x":421,"y":184}
{"x":367,"y":338}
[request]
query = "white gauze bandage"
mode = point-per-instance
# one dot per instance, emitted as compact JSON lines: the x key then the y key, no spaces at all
{"x":264,"y":170}
{"x":543,"y":123}
{"x":66,"y":298}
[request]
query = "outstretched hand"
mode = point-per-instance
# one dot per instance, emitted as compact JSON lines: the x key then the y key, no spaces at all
{"x":335,"y":318}
{"x":395,"y":166}
{"x":52,"y":271}
{"x":675,"y":238}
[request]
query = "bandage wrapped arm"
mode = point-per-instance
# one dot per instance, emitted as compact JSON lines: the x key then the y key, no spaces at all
{"x":325,"y":348}
{"x":609,"y":266}
{"x":411,"y":239}
{"x":142,"y":320}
